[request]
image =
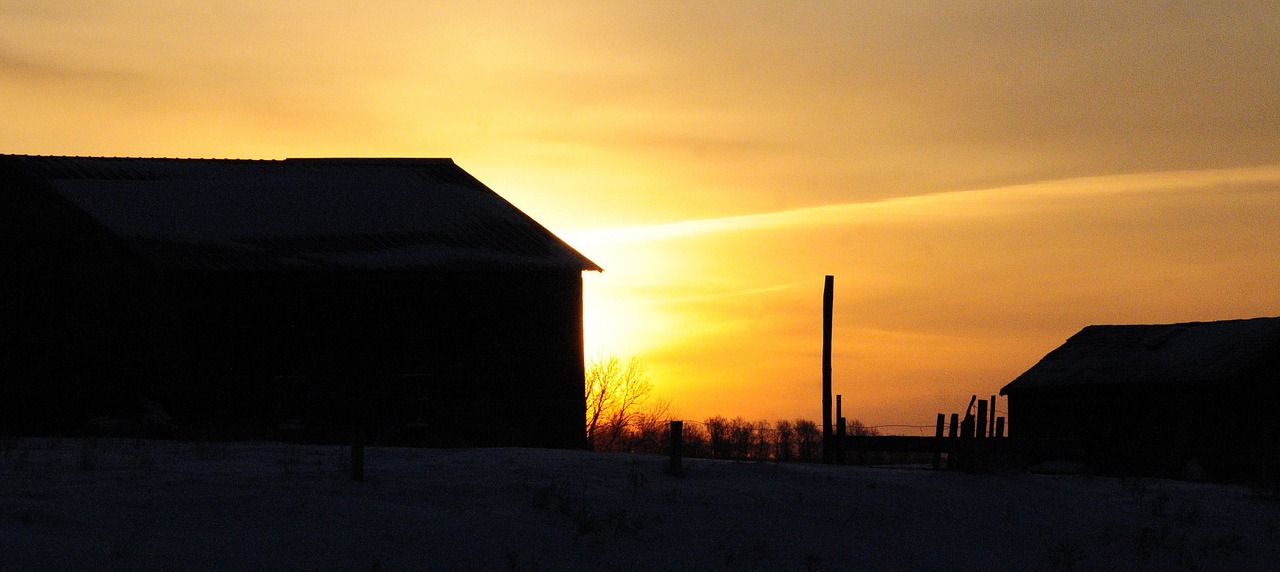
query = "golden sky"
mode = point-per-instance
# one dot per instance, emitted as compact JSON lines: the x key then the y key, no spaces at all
{"x":982,"y":178}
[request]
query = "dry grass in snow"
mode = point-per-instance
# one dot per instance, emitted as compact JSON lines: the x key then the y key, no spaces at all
{"x":146,"y":505}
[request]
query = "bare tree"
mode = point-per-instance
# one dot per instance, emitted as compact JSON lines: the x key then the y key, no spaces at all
{"x":740,"y":437}
{"x":762,"y":440}
{"x":858,"y":429}
{"x":697,"y":441}
{"x":650,"y":431}
{"x":786,"y":441}
{"x":718,"y":437}
{"x":618,"y":394}
{"x":808,"y":440}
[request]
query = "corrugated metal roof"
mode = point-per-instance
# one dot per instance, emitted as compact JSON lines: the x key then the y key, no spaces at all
{"x":1193,"y":352}
{"x":319,"y":213}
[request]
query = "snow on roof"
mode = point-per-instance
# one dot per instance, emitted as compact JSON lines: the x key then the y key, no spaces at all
{"x":1193,"y":352}
{"x":322,"y":213}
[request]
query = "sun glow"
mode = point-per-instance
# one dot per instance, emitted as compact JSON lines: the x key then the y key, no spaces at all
{"x":935,"y":299}
{"x":980,"y":192}
{"x":624,"y":308}
{"x":613,"y":323}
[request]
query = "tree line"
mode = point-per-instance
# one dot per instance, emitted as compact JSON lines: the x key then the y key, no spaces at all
{"x":623,"y":417}
{"x":720,"y":437}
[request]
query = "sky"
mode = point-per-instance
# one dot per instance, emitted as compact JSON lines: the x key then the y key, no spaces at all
{"x":983,"y":179}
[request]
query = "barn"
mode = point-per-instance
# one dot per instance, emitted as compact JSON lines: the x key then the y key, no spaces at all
{"x":226,"y":298}
{"x":1169,"y":399}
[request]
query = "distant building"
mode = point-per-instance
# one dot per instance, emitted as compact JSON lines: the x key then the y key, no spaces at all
{"x":1159,"y":399}
{"x":239,"y":298}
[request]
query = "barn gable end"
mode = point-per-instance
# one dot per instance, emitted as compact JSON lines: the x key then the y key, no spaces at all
{"x":241,"y":297}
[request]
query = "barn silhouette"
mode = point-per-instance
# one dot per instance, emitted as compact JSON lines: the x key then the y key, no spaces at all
{"x":222,"y":298}
{"x":1196,"y":399}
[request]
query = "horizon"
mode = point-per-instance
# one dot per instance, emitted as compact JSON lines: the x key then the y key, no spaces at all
{"x":983,"y":181}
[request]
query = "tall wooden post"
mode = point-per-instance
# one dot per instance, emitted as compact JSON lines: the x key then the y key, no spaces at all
{"x":828,"y":296}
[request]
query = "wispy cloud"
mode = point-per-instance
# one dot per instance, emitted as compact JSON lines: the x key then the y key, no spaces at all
{"x":964,"y":203}
{"x":17,"y":65}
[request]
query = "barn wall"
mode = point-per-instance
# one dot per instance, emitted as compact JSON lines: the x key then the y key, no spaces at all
{"x":459,"y":358}
{"x":49,"y":258}
{"x":1155,"y":428}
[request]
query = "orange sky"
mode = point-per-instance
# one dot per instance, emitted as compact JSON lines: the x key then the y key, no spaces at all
{"x":983,"y":179}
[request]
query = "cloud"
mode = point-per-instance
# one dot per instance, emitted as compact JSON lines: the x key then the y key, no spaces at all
{"x":981,"y":203}
{"x":49,"y":72}
{"x":699,"y":109}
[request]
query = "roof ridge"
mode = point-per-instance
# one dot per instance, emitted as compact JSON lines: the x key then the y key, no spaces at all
{"x":1191,"y":323}
{"x":338,"y":160}
{"x":378,"y":213}
{"x":374,"y":160}
{"x":133,"y":157}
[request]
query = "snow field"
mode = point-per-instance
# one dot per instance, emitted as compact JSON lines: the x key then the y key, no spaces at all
{"x":103,"y":504}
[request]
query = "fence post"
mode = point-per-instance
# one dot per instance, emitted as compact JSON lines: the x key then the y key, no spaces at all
{"x":992,"y":411}
{"x":966,"y":442}
{"x":980,"y":430}
{"x":1000,"y":427}
{"x":939,"y":444}
{"x":359,"y":403}
{"x":676,"y":466}
{"x":357,"y":455}
{"x":840,"y":439}
{"x":953,"y":437}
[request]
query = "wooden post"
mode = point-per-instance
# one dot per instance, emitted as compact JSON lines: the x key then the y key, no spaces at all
{"x":966,"y":442}
{"x":992,"y":411}
{"x":359,"y":403}
{"x":357,"y":455}
{"x":953,"y":438}
{"x":840,"y":440}
{"x":828,"y":296}
{"x":940,"y":443}
{"x":841,"y":431}
{"x":676,"y":466}
{"x":980,"y":430}
{"x":1000,"y":427}
{"x":839,"y":407}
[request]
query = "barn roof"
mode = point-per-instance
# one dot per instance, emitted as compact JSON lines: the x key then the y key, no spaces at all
{"x":382,"y":214}
{"x":1193,"y":352}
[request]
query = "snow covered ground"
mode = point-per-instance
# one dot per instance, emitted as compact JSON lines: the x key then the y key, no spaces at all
{"x":147,"y":505}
